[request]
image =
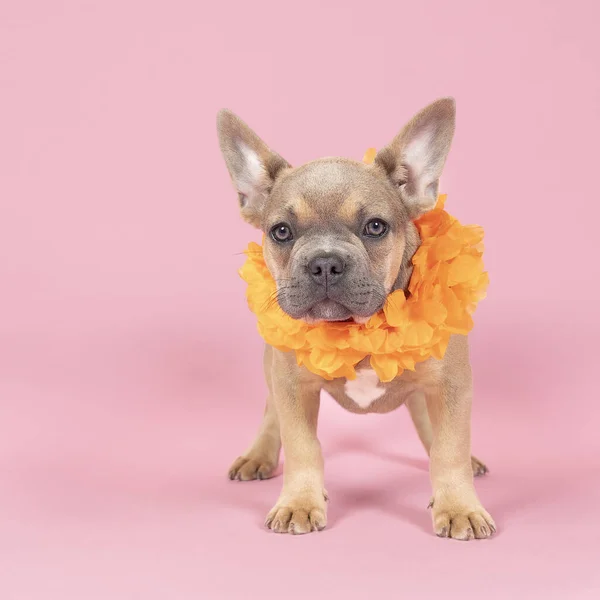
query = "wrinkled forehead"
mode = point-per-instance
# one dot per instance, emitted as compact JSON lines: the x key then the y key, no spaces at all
{"x":332,"y":192}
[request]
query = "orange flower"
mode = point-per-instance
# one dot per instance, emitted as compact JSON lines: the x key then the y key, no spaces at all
{"x":447,"y":282}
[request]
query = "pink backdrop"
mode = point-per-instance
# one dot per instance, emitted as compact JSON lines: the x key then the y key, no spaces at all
{"x":129,"y":364}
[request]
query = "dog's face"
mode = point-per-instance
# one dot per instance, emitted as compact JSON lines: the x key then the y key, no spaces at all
{"x":338,"y":233}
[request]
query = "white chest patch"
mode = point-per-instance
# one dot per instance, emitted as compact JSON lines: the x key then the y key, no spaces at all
{"x":364,"y":390}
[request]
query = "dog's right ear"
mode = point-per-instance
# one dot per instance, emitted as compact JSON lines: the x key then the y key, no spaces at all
{"x":253,"y":167}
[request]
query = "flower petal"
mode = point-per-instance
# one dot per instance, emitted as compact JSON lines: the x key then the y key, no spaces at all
{"x":464,"y":268}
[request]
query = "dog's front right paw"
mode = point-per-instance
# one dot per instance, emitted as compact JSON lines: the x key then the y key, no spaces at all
{"x":297,"y":517}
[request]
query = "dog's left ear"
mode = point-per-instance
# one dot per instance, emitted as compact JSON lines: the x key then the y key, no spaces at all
{"x":252,"y":165}
{"x":415,"y":159}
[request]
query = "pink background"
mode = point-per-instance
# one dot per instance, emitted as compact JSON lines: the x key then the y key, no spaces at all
{"x":129,"y":365}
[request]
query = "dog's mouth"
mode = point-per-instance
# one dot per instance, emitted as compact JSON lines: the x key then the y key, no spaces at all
{"x":334,"y":312}
{"x":329,"y":310}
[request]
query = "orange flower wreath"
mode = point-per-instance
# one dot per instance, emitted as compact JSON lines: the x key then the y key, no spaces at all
{"x":447,"y":282}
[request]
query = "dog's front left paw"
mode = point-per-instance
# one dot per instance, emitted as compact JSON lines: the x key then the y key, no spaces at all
{"x":462,"y":522}
{"x":297,"y":517}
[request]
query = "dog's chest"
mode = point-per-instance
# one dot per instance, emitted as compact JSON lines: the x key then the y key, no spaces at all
{"x":365,"y":389}
{"x":367,"y":394}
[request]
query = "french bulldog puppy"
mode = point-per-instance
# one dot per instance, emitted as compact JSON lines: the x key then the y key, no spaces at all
{"x":339,"y":237}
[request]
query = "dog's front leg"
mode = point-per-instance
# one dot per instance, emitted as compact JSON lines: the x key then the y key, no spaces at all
{"x":301,"y":507}
{"x":456,"y":509}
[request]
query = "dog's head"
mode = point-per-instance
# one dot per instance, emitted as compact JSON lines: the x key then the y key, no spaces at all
{"x":338,"y":233}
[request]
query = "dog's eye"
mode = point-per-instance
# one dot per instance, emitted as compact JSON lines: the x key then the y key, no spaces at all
{"x":375,"y":228}
{"x":282,"y":233}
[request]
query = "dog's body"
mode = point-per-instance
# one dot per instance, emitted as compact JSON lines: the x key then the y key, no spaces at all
{"x":339,"y":239}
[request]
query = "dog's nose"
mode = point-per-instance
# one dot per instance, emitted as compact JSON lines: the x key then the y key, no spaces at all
{"x":326,"y":269}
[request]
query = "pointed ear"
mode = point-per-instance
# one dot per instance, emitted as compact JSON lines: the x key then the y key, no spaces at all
{"x":253,"y":167}
{"x":415,"y":159}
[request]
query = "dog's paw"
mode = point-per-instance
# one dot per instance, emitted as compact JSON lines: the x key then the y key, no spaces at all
{"x":462,"y":523}
{"x":478,"y":467}
{"x":297,"y":517}
{"x":247,"y":468}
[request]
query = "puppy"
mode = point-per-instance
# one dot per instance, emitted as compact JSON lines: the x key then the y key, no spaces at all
{"x":333,"y":226}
